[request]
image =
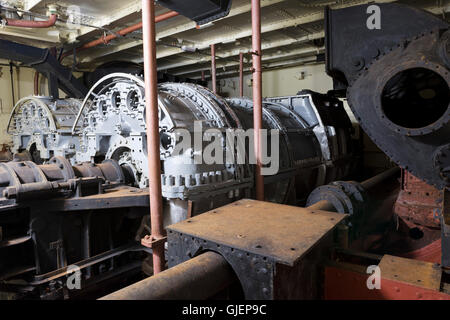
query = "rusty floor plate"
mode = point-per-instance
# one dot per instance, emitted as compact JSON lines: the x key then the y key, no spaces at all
{"x":284,"y":233}
{"x":418,"y":273}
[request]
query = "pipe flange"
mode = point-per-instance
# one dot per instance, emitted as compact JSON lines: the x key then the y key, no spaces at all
{"x":64,"y":165}
{"x":442,"y":163}
{"x":444,"y":48}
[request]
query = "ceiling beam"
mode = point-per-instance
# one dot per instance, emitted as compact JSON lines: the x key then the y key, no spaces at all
{"x":45,"y":36}
{"x":241,"y":8}
{"x":235,"y":52}
{"x":171,"y":30}
{"x":267,"y":67}
{"x":247,"y":30}
{"x":310,"y":50}
{"x":30,"y":4}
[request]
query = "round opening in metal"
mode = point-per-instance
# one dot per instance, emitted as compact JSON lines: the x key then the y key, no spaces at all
{"x":166,"y":140}
{"x":415,"y":98}
{"x":416,"y":233}
{"x":133,"y":99}
{"x":116,"y":99}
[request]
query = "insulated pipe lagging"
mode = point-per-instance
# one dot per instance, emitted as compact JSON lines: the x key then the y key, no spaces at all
{"x":196,"y":279}
{"x":32,"y":23}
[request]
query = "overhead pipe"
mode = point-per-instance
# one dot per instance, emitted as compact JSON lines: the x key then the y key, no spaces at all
{"x":257,"y":95}
{"x":213,"y":68}
{"x":196,"y":279}
{"x":241,"y":74}
{"x":122,"y":32}
{"x":32,"y":23}
{"x":156,"y":240}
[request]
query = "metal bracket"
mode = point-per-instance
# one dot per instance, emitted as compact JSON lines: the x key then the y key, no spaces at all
{"x":150,"y":241}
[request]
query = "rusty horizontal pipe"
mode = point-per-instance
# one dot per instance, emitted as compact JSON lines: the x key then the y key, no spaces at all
{"x":32,"y":23}
{"x":323,"y":205}
{"x":326,"y":205}
{"x":196,"y":279}
{"x":376,"y":180}
{"x":122,"y":32}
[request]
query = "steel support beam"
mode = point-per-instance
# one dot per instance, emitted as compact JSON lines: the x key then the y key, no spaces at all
{"x":45,"y":63}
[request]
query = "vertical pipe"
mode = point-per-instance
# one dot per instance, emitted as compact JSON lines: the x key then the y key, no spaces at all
{"x":203,"y":75}
{"x":11,"y":72}
{"x":241,"y":74}
{"x":154,"y":164}
{"x":87,"y":240}
{"x":36,"y":83}
{"x":213,"y":68}
{"x":257,"y":94}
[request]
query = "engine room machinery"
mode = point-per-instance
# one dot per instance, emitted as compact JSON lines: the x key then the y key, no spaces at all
{"x":42,"y":127}
{"x":95,"y":174}
{"x":111,"y":126}
{"x":87,"y":224}
{"x":397,"y":83}
{"x":397,"y":86}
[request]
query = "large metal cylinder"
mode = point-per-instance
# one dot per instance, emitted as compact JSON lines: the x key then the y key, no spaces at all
{"x":114,"y":128}
{"x":25,"y":180}
{"x":397,"y":83}
{"x":197,"y":279}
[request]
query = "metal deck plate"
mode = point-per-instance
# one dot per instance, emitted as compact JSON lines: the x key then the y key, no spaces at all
{"x":417,"y":273}
{"x":280,"y":232}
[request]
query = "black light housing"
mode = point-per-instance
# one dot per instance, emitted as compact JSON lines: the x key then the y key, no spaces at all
{"x":201,"y":11}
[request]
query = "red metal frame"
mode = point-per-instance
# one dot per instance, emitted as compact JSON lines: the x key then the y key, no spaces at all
{"x":342,"y":284}
{"x":417,"y":202}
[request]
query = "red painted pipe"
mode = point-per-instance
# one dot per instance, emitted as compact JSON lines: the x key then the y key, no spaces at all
{"x":122,"y":32}
{"x":31,"y":23}
{"x":241,"y":74}
{"x":36,"y":83}
{"x":153,"y":140}
{"x":213,"y":68}
{"x":257,"y":95}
